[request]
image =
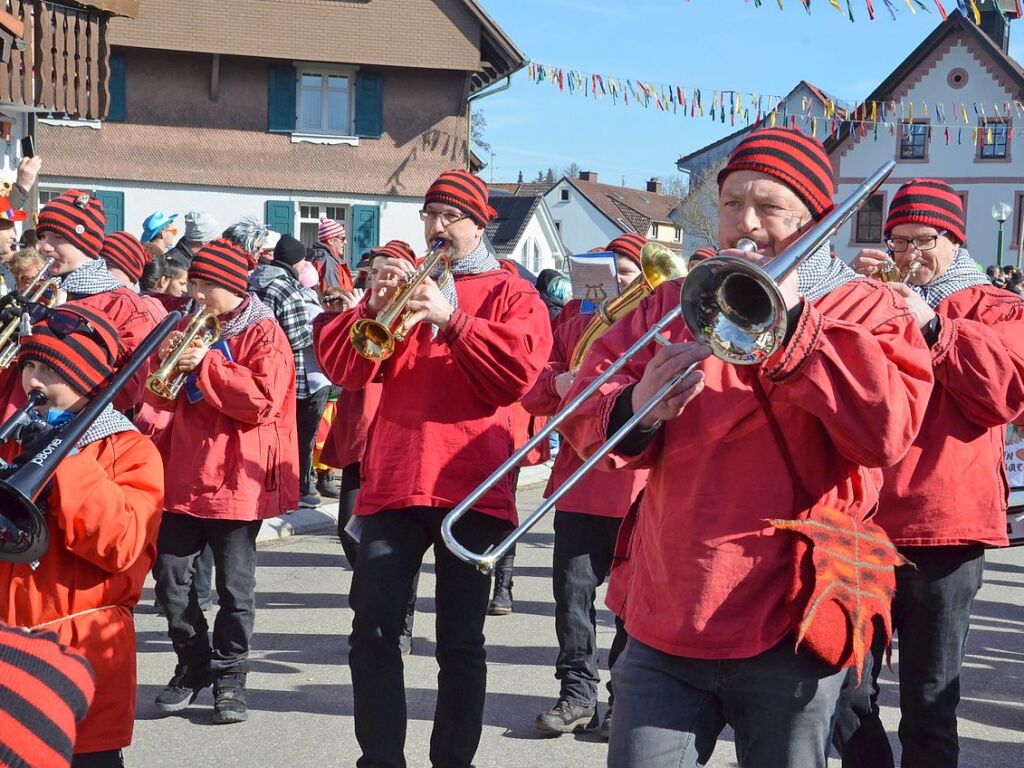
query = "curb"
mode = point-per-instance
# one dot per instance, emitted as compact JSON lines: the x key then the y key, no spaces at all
{"x":325,"y":517}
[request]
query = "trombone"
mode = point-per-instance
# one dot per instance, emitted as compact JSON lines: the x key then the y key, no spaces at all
{"x":33,"y":293}
{"x":729,"y":303}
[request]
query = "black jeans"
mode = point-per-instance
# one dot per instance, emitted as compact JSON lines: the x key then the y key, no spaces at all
{"x":391,"y":548}
{"x":308,"y":412}
{"x":350,"y":482}
{"x":582,"y":560}
{"x":111,"y":758}
{"x":931,"y":615}
{"x":181,"y":539}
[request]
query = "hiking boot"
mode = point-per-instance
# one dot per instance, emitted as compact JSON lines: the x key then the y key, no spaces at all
{"x":501,"y":603}
{"x":327,"y":487}
{"x":566,"y":717}
{"x":182,"y":689}
{"x":605,"y":731}
{"x":229,"y":700}
{"x":405,"y":644}
{"x":310,"y":500}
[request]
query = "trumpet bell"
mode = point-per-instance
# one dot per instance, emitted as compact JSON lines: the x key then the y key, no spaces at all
{"x":372,"y":340}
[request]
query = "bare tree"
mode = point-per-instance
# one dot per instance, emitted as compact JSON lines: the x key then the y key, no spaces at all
{"x":675,"y":186}
{"x":572,"y":171}
{"x":699,"y":208}
{"x":477,"y":127}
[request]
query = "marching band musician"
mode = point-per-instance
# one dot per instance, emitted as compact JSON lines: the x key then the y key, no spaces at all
{"x":232,"y":459}
{"x":711,"y":592}
{"x":481,"y":340}
{"x":103,"y":512}
{"x":946,"y":501}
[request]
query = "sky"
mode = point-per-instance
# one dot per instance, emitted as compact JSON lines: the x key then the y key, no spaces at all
{"x":708,"y":44}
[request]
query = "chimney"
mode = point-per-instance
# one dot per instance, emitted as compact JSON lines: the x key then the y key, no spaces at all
{"x":996,"y":16}
{"x":588,"y":175}
{"x":654,"y":185}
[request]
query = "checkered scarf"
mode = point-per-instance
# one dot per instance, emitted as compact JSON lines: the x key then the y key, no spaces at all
{"x":961,"y":274}
{"x":89,"y":279}
{"x":820,"y":274}
{"x":109,"y":422}
{"x":254,"y":311}
{"x":480,"y":260}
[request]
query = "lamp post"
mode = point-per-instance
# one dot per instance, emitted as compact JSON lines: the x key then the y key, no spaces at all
{"x":1000,"y":212}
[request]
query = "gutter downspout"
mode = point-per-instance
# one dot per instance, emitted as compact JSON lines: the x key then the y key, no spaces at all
{"x":469,"y":113}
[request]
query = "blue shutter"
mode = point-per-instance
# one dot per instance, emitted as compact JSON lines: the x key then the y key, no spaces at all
{"x":365,"y":230}
{"x":116,"y":106}
{"x":369,"y":105}
{"x":281,"y":98}
{"x":279,"y":215}
{"x":113,"y":205}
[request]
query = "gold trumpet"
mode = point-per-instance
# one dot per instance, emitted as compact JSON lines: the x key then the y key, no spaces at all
{"x":33,"y":293}
{"x":375,"y":339}
{"x":657,"y":265}
{"x":203,"y":328}
{"x":890,"y":272}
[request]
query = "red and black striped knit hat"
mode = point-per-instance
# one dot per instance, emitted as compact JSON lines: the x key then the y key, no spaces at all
{"x":628,"y":245}
{"x":225,"y":264}
{"x":85,"y":356}
{"x":396,"y":249}
{"x":78,"y":217}
{"x":46,"y":690}
{"x":701,"y":254}
{"x":124,"y":251}
{"x":798,"y":161}
{"x":930,"y":202}
{"x":466,"y":192}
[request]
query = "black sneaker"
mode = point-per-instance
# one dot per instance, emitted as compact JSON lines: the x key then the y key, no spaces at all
{"x":229,"y":700}
{"x":565,"y":717}
{"x":605,"y":731}
{"x":182,"y":690}
{"x":327,"y":487}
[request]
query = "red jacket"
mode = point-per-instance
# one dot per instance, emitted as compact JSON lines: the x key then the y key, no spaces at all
{"x":444,"y":423}
{"x":951,"y":488}
{"x":233,"y":455}
{"x":353,"y":415}
{"x":607,"y":494}
{"x":103,"y":514}
{"x":702,"y":574}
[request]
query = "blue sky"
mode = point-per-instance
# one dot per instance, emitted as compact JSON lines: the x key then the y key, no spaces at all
{"x":707,"y":44}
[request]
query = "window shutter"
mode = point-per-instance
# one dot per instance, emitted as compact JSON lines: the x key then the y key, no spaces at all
{"x":279,"y":216}
{"x":365,"y":230}
{"x":369,"y":105}
{"x":113,"y":205}
{"x":116,"y":110}
{"x":281,"y":98}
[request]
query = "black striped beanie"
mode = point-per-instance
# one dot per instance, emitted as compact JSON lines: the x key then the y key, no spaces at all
{"x":628,"y":245}
{"x":396,"y":249}
{"x":223,"y":263}
{"x":124,"y":251}
{"x":85,"y":358}
{"x":78,"y":217}
{"x":464,"y":191}
{"x":45,"y":689}
{"x":930,"y":202}
{"x":798,"y":161}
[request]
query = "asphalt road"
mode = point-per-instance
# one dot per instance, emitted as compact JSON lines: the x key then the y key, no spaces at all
{"x":300,"y":698}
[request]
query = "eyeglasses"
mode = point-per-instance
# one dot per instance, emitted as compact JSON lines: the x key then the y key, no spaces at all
{"x":447,"y":217}
{"x":926,"y":243}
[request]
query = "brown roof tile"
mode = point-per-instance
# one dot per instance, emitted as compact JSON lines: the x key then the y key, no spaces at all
{"x":636,"y":207}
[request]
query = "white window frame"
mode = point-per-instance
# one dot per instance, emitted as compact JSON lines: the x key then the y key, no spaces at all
{"x":321,"y":210}
{"x":563,"y":195}
{"x":323,"y":136}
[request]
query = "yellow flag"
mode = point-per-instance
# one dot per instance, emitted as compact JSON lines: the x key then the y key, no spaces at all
{"x":974,"y":9}
{"x":963,"y":107}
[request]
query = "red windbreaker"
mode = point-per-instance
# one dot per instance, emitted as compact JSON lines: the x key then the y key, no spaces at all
{"x":701,"y":572}
{"x":951,"y":488}
{"x":353,"y":415}
{"x":103,"y":514}
{"x":603,"y":493}
{"x":444,"y":424}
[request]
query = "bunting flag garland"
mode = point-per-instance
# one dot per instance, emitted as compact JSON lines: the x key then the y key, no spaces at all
{"x":969,"y":8}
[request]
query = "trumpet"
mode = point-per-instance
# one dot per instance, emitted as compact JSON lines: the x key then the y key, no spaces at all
{"x":203,"y":328}
{"x":731,"y":304}
{"x":375,"y":339}
{"x":657,"y":265}
{"x":889,"y":271}
{"x":33,"y":293}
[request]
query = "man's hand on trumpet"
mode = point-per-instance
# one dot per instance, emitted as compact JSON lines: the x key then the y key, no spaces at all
{"x":193,"y":356}
{"x":392,"y":274}
{"x":428,"y":304}
{"x":666,"y":363}
{"x":870,"y":261}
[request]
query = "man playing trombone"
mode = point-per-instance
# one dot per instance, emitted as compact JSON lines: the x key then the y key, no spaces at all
{"x":478,"y":338}
{"x":749,"y":466}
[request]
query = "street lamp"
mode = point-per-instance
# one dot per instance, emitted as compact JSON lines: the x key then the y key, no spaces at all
{"x":1000,"y":212}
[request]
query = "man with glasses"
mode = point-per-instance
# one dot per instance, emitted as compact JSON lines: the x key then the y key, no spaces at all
{"x":945,"y":503}
{"x":480,"y":338}
{"x":328,"y":256}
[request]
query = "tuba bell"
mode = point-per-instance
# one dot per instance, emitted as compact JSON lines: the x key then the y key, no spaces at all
{"x":203,"y":328}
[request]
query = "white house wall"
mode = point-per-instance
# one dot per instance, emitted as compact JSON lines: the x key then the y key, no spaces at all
{"x":534,"y":234}
{"x":582,"y":225}
{"x":985,"y":183}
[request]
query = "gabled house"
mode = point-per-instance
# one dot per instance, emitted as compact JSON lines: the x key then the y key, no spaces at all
{"x":589,"y":214}
{"x":958,"y":63}
{"x":524,"y":232}
{"x":306,"y":109}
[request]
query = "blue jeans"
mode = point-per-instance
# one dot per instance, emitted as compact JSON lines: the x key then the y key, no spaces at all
{"x":669,"y":710}
{"x":931,"y":614}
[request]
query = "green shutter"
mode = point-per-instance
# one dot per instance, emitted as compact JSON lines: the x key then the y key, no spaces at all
{"x":113,"y":206}
{"x":116,"y":111}
{"x":365,"y":230}
{"x":279,"y":215}
{"x":281,"y":98}
{"x":369,"y":105}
